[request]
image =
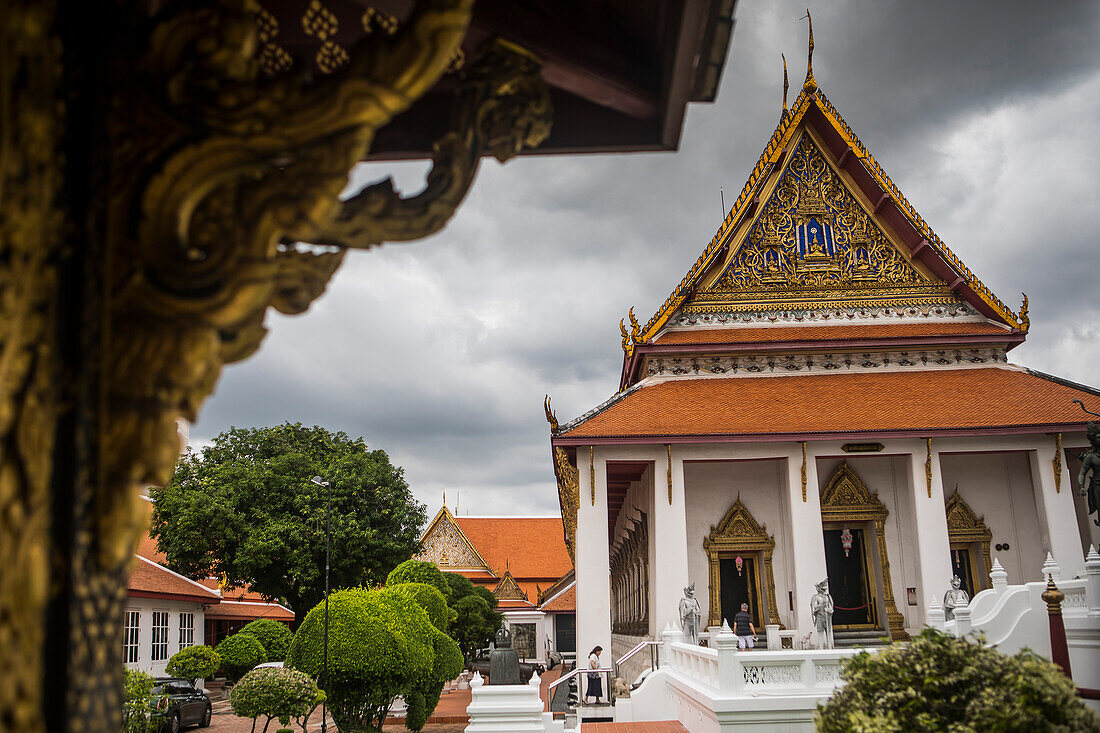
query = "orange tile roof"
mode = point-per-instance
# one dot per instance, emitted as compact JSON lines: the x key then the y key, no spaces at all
{"x":147,"y":577}
{"x":567,"y":601}
{"x":841,"y":403}
{"x":250,"y":610}
{"x":773,"y":334}
{"x":531,"y":547}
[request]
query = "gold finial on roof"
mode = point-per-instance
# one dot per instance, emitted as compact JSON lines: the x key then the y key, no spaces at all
{"x":635,"y":328}
{"x":444,"y":498}
{"x":627,"y":347}
{"x":551,"y":416}
{"x":1025,"y":320}
{"x":810,"y":85}
{"x":786,"y":84}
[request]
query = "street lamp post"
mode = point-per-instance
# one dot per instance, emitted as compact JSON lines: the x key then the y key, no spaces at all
{"x":328,"y":524}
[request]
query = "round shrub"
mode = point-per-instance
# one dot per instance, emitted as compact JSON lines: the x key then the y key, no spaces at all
{"x":240,"y":653}
{"x":194,"y":662}
{"x":430,"y":599}
{"x":940,"y":683}
{"x":380,"y":646}
{"x":422,"y":698}
{"x":275,"y":693}
{"x":274,"y":636}
{"x":136,"y":694}
{"x":418,"y":571}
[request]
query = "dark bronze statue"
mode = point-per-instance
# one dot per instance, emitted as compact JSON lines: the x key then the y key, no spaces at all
{"x":504,"y":661}
{"x":1090,"y":463}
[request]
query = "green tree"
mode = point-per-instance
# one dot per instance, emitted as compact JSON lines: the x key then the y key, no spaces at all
{"x":477,"y":619}
{"x":240,"y":653}
{"x":940,"y":683}
{"x":245,"y":507}
{"x":274,"y":636}
{"x":274,"y":693}
{"x":136,"y":699}
{"x":419,"y":571}
{"x":381,"y":644}
{"x":431,"y":600}
{"x":194,"y":662}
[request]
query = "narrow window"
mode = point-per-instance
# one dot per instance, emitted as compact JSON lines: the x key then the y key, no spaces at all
{"x":187,"y":630}
{"x":160,"y":636}
{"x":130,"y":637}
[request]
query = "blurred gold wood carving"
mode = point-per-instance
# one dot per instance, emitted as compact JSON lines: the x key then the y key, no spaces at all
{"x":202,"y":176}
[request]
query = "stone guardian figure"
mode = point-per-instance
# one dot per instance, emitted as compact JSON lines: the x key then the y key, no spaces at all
{"x":690,"y":611}
{"x":821,"y":608}
{"x":954,"y":598}
{"x":1090,"y":461}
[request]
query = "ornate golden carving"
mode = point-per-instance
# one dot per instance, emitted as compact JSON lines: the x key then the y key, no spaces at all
{"x":592,"y":472}
{"x":928,"y":465}
{"x":810,"y":85}
{"x":1024,"y":319}
{"x":846,"y":499}
{"x":568,"y":479}
{"x":551,"y":416}
{"x":1057,"y":463}
{"x":803,"y":471}
{"x":739,"y":534}
{"x":197,"y":180}
{"x":786,"y":85}
{"x":668,"y":466}
{"x":628,"y":346}
{"x":447,"y":545}
{"x":966,"y":527}
{"x":635,"y":328}
{"x":508,"y":589}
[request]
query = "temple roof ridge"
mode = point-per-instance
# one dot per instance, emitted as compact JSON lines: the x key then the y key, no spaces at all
{"x":775,"y":156}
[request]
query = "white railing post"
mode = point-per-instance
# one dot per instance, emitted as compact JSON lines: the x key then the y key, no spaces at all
{"x":998,"y":576}
{"x":962,"y":621}
{"x":1092,"y":576}
{"x":775,"y":643}
{"x":1051,"y":567}
{"x":728,"y":667}
{"x":669,"y":635}
{"x":935,"y":616}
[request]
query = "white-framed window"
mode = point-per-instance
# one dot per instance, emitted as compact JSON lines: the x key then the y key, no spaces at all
{"x":187,"y":629}
{"x":130,"y":636}
{"x":160,"y":636}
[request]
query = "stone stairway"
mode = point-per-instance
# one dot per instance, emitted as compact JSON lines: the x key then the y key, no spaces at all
{"x":850,"y":639}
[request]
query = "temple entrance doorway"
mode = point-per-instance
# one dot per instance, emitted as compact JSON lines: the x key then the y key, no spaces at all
{"x":739,"y":586}
{"x":851,"y":579}
{"x":962,"y":566}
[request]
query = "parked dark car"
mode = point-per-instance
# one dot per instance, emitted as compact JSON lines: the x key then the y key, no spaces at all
{"x":177,"y":703}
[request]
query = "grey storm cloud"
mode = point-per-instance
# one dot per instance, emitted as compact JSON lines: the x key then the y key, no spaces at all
{"x":440,"y":351}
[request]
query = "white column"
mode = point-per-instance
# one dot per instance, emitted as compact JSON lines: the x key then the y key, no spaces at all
{"x":933,"y":550}
{"x":593,"y":570}
{"x":669,"y":566}
{"x":807,"y":540}
{"x":1057,"y":513}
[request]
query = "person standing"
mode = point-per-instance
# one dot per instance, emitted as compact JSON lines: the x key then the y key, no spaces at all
{"x":742,"y":626}
{"x":595,"y":684}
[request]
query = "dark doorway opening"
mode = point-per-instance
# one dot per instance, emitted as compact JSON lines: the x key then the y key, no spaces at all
{"x":739,"y":586}
{"x":962,"y":565}
{"x":853,"y":602}
{"x":565,"y":632}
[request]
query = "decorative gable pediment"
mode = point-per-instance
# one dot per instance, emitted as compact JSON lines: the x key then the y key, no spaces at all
{"x":508,"y":589}
{"x":446,"y":545}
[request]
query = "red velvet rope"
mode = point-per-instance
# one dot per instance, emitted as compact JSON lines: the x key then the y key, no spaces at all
{"x":857,"y":608}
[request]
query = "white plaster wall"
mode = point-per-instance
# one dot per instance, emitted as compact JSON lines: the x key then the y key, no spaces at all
{"x":146,"y":606}
{"x":712,"y":487}
{"x":999,"y":486}
{"x":889,"y":477}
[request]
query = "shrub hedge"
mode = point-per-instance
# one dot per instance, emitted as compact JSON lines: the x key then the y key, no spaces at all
{"x":940,"y":683}
{"x":431,"y":600}
{"x":136,"y":694}
{"x":418,"y":571}
{"x":276,"y":693}
{"x":194,"y":662}
{"x":274,"y":636}
{"x":240,"y":653}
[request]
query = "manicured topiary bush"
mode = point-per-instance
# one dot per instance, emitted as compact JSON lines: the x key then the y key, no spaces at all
{"x":194,"y":662}
{"x":423,"y":696}
{"x":431,"y":600}
{"x":381,"y":645}
{"x":418,"y":571}
{"x":276,"y":693}
{"x":240,"y":653}
{"x":940,"y":683}
{"x":274,"y":636}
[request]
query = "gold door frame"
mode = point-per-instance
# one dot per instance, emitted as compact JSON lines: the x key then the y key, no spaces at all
{"x":740,"y":534}
{"x":966,"y":527}
{"x":846,"y":499}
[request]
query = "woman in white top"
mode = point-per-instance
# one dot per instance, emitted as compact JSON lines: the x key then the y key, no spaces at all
{"x":595,"y":684}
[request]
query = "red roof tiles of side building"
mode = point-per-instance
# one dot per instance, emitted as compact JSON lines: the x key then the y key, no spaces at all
{"x":776,"y":334}
{"x":567,"y":601}
{"x":244,"y":593}
{"x":978,"y":398}
{"x":150,"y":580}
{"x":531,"y":547}
{"x":250,"y":610}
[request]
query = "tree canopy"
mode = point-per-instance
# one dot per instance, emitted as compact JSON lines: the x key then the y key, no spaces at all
{"x":245,"y":507}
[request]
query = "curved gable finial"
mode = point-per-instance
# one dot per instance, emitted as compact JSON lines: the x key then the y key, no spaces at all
{"x":810,"y":85}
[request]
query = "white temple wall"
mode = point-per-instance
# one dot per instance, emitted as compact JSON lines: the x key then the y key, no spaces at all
{"x":712,"y":487}
{"x":889,"y":476}
{"x":999,"y":486}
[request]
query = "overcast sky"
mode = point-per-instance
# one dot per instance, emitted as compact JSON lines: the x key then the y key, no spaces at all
{"x":439,"y":352}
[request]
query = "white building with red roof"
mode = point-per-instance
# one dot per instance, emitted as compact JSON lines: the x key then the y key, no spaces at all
{"x":827,"y":393}
{"x":524,"y":562}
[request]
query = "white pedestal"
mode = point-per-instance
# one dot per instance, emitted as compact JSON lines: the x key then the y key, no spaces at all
{"x":509,"y":709}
